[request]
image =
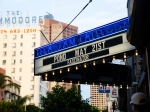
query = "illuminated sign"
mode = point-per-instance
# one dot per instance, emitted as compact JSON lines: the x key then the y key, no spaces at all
{"x":82,"y":54}
{"x":17,"y":18}
{"x":104,"y":89}
{"x":15,"y":31}
{"x":95,"y":34}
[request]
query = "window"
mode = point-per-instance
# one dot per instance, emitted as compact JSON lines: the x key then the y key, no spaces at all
{"x":4,"y":45}
{"x":20,"y":52}
{"x":13,"y":61}
{"x":33,"y":44}
{"x":2,"y":93}
{"x":32,"y":78}
{"x":32,"y":69}
{"x":4,"y":53}
{"x":32,"y":52}
{"x":32,"y":96}
{"x":4,"y":62}
{"x":33,"y":36}
{"x":5,"y":37}
{"x":20,"y":69}
{"x":21,"y":36}
{"x":21,"y":44}
{"x":20,"y":60}
{"x":14,"y":45}
{"x":13,"y":70}
{"x":20,"y":78}
{"x":14,"y":37}
{"x":32,"y":87}
{"x":14,"y":53}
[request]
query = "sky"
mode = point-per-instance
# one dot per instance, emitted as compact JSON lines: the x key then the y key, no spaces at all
{"x":97,"y":13}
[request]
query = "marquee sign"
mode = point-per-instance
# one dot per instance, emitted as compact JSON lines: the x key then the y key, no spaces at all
{"x":88,"y":52}
{"x":95,"y":34}
{"x":87,"y":46}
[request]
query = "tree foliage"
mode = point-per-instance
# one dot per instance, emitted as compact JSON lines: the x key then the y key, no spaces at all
{"x":59,"y":100}
{"x":32,"y":108}
{"x":22,"y":100}
{"x":10,"y":107}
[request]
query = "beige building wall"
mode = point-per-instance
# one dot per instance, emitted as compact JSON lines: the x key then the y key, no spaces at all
{"x":17,"y":56}
{"x":97,"y":99}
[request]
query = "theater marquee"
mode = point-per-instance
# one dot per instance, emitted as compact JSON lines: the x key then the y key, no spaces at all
{"x":88,"y":52}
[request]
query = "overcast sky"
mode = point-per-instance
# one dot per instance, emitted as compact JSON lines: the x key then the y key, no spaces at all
{"x":97,"y":13}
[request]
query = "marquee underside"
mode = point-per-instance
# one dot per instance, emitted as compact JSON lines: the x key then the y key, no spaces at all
{"x":106,"y":73}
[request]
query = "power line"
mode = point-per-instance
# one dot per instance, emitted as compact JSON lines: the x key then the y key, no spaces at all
{"x":44,"y":36}
{"x":72,"y":20}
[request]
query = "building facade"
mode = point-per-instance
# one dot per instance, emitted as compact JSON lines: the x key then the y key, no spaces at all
{"x":17,"y":57}
{"x":52,"y":28}
{"x":17,"y":53}
{"x":97,"y":99}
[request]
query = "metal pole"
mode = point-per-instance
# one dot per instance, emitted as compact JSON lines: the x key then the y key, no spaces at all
{"x":147,"y":62}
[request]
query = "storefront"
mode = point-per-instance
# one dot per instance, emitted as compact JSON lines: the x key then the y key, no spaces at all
{"x":138,"y":35}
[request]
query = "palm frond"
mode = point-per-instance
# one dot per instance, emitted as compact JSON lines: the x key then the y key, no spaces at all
{"x":23,"y":100}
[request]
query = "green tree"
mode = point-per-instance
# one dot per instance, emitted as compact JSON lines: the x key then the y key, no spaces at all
{"x":59,"y":100}
{"x":22,"y":100}
{"x":10,"y":107}
{"x":32,"y":108}
{"x":95,"y":109}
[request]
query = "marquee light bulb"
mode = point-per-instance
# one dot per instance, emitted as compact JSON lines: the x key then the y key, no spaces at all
{"x":76,"y":67}
{"x":107,"y":85}
{"x":103,"y":60}
{"x":114,"y":86}
{"x":113,"y":57}
{"x":100,"y":84}
{"x":68,"y":69}
{"x":94,"y":63}
{"x":45,"y":78}
{"x":85,"y":65}
{"x":125,"y":55}
{"x":78,"y":82}
{"x":71,"y":82}
{"x":86,"y":83}
{"x":46,"y":74}
{"x":120,"y":86}
{"x":60,"y":71}
{"x":53,"y":73}
{"x":93,"y":83}
{"x":127,"y":87}
{"x":136,"y":52}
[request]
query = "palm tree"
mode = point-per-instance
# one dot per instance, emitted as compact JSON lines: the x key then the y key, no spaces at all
{"x":22,"y":100}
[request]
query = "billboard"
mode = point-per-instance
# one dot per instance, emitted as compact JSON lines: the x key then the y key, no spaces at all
{"x":104,"y":89}
{"x":114,"y":92}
